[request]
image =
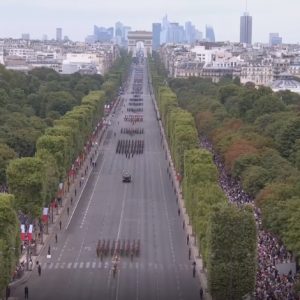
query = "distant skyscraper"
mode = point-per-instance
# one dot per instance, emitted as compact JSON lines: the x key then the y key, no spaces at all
{"x":199,"y":36}
{"x":45,"y":37}
{"x":119,"y":28}
{"x":175,"y":33}
{"x":103,"y":34}
{"x":126,"y":29}
{"x":164,"y":30}
{"x":59,"y":34}
{"x":25,"y":36}
{"x":275,"y":39}
{"x":246,"y":29}
{"x":190,"y":32}
{"x":121,"y":33}
{"x":210,"y":34}
{"x":156,"y":29}
{"x":165,"y":22}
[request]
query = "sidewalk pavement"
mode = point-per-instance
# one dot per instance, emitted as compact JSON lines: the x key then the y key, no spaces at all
{"x":195,"y":254}
{"x":65,"y":210}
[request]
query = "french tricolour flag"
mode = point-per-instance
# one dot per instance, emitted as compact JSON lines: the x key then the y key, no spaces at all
{"x":45,"y":214}
{"x":22,"y":232}
{"x":30,"y":229}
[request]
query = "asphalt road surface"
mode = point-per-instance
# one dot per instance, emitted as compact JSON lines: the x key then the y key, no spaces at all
{"x":109,"y":209}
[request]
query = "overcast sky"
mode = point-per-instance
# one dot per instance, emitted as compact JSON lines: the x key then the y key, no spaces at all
{"x":77,"y":17}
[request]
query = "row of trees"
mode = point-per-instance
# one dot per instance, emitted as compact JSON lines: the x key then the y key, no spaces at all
{"x":179,"y":125}
{"x":257,"y":134}
{"x":33,"y":181}
{"x":229,"y":251}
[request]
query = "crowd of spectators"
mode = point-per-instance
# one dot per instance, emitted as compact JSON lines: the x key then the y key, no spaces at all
{"x":19,"y":271}
{"x":270,"y":284}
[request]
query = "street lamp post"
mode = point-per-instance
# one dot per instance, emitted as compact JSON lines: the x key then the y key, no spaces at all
{"x":27,"y":252}
{"x":52,"y":207}
{"x":42,"y":233}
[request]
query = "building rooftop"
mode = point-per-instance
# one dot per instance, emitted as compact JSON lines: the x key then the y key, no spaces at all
{"x":282,"y":85}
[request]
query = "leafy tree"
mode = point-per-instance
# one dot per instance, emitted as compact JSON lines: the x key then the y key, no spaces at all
{"x":56,"y":146}
{"x":3,"y":97}
{"x":59,"y":101}
{"x":51,"y":173}
{"x":43,"y":74}
{"x":238,"y":147}
{"x":9,"y":239}
{"x":87,"y":84}
{"x":6,"y":154}
{"x":254,"y":179}
{"x":232,"y":253}
{"x":288,"y":136}
{"x":17,"y":95}
{"x":243,"y":162}
{"x":26,"y":180}
{"x":228,"y":91}
{"x":288,"y":97}
{"x":268,"y":104}
{"x":34,"y":100}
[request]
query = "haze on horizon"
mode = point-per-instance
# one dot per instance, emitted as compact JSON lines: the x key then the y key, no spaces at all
{"x":77,"y":17}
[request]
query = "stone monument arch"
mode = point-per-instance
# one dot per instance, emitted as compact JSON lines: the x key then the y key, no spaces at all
{"x":140,"y":36}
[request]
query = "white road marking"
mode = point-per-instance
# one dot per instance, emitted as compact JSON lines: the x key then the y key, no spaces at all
{"x":80,"y":250}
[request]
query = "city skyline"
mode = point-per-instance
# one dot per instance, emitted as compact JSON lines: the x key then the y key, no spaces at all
{"x":77,"y":18}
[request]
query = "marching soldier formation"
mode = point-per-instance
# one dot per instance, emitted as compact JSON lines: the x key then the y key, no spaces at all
{"x":132,"y":131}
{"x":127,"y":248}
{"x":130,"y":147}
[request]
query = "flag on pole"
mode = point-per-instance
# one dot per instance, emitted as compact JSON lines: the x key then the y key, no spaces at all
{"x":23,"y":232}
{"x":45,"y":214}
{"x":30,"y":229}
